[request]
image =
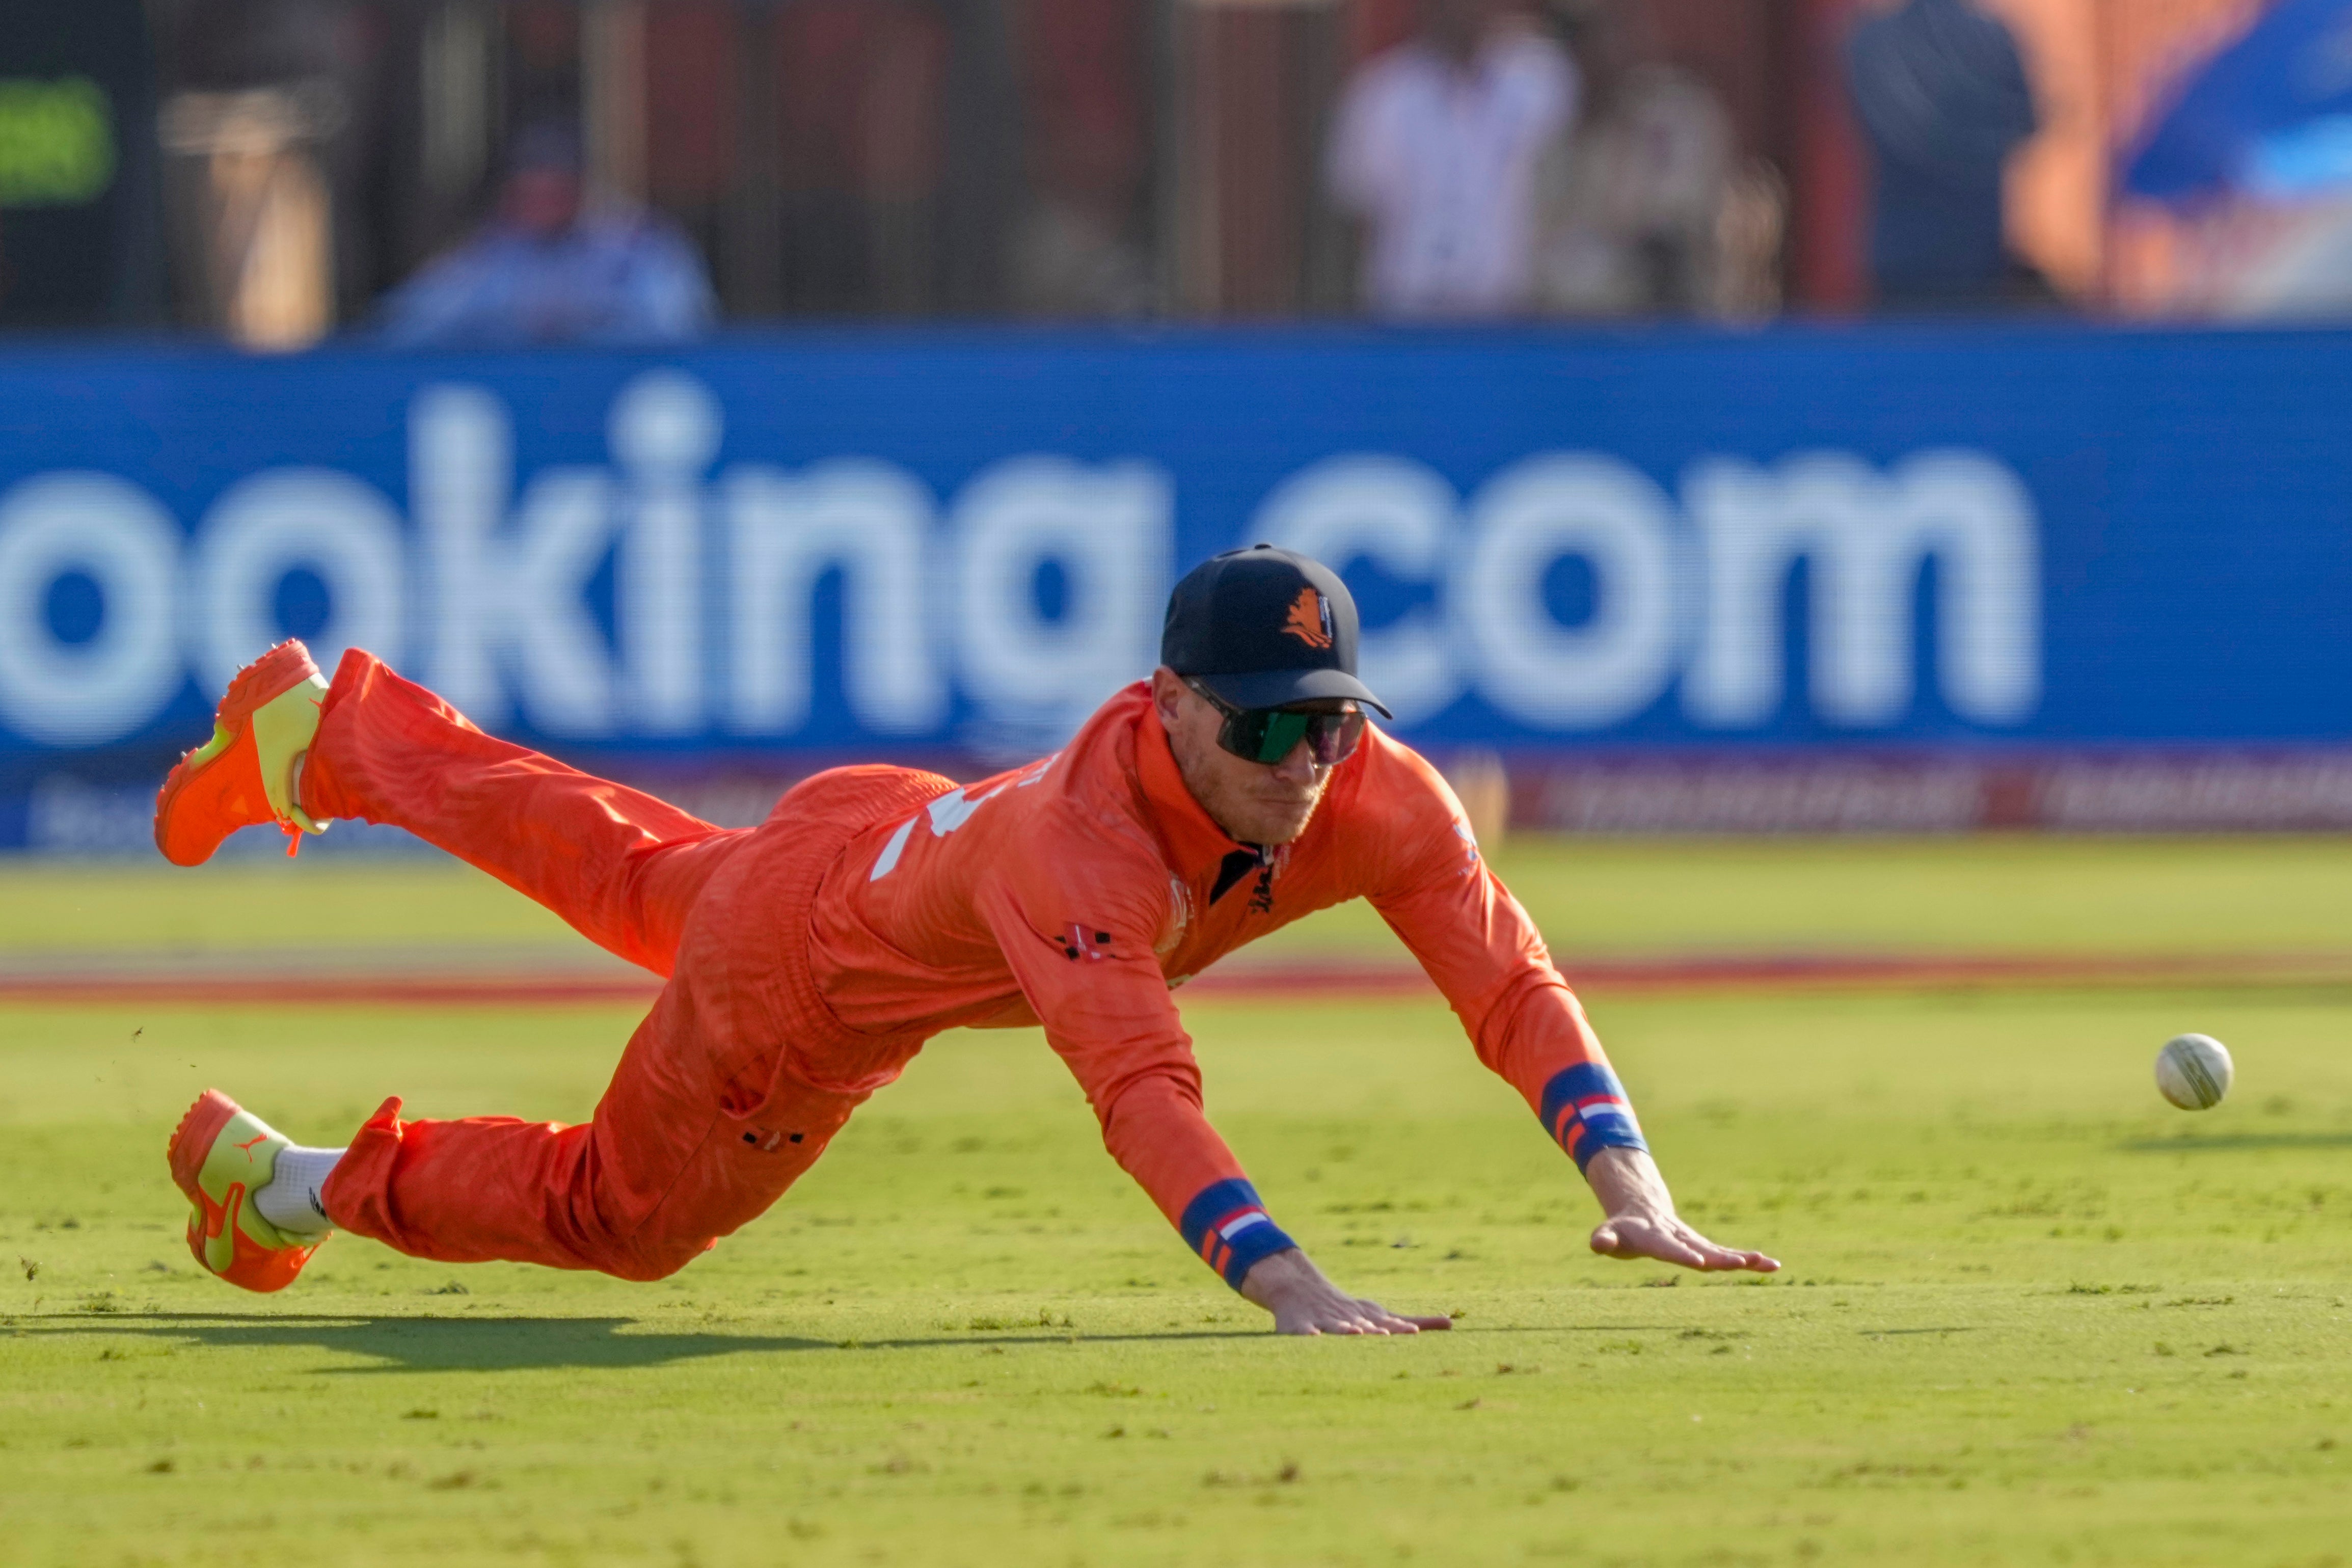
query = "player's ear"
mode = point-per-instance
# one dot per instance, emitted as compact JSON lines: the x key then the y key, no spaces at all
{"x":1167,"y":694}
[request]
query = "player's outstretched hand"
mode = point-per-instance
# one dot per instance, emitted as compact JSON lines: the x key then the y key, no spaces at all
{"x":1304,"y":1302}
{"x":1642,"y":1222}
{"x":1670,"y":1241}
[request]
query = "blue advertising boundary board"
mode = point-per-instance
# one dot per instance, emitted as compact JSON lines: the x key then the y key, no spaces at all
{"x":1970,"y":545}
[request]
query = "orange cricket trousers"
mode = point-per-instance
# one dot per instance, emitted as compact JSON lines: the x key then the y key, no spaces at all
{"x":731,"y":1086}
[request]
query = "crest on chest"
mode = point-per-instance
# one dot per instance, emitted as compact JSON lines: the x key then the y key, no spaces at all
{"x":1253,"y":867}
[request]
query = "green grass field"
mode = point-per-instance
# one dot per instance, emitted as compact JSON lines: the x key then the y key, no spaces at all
{"x":2030,"y":1314}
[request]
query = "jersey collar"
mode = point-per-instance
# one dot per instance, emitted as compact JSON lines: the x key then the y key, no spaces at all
{"x":1193,"y":840}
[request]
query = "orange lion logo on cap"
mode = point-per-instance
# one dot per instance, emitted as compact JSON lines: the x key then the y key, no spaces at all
{"x":1310,"y":619}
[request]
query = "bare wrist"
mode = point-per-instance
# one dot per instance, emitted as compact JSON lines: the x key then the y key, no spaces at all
{"x":1274,"y":1273}
{"x":1626,"y":1181}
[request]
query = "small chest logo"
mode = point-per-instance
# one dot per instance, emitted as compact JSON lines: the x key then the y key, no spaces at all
{"x":1310,"y":619}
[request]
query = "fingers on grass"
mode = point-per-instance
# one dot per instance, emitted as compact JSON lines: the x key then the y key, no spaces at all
{"x":1657,"y":1243}
{"x":1710,"y":1255}
{"x":1669,"y":1248}
{"x":1728,"y":1257}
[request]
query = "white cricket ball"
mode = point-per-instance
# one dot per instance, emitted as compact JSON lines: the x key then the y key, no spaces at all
{"x":2193,"y":1071}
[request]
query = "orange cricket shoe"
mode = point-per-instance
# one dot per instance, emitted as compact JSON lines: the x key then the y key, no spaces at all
{"x":221,"y":1155}
{"x":245,"y":775}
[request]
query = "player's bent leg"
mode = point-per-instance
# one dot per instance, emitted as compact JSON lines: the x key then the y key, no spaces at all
{"x":622,"y":868}
{"x":715,"y":1109}
{"x":665,"y":1168}
{"x":739,"y":1173}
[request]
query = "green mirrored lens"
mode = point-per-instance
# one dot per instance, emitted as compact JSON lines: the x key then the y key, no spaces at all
{"x":1268,"y":735}
{"x":1277,"y":732}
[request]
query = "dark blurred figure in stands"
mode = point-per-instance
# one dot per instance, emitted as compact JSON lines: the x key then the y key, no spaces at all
{"x":266,"y":103}
{"x":1079,"y":249}
{"x":553,"y":265}
{"x":81,"y":223}
{"x":1435,"y":147}
{"x":1942,"y":95}
{"x":1647,"y":205}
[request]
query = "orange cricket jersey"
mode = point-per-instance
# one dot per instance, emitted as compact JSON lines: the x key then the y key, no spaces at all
{"x":1078,"y":891}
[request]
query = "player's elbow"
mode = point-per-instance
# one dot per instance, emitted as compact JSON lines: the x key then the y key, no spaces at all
{"x":1141,"y":1093}
{"x":1538,"y":1005}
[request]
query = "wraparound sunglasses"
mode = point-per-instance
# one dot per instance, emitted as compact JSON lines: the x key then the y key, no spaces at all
{"x":1269,"y":734}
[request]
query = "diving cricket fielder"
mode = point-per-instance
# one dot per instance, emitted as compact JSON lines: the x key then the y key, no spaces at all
{"x":807,"y":959}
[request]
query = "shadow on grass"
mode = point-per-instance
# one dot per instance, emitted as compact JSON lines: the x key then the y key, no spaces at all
{"x":2194,"y":1145}
{"x":485,"y":1344}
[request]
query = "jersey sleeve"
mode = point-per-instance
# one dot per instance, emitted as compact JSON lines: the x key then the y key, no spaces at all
{"x":1079,"y":934}
{"x":1483,"y":952}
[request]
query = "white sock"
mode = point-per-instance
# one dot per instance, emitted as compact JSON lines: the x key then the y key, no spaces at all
{"x":290,"y":1200}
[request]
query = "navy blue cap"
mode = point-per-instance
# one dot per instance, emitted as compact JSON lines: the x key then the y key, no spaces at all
{"x":1264,"y":628}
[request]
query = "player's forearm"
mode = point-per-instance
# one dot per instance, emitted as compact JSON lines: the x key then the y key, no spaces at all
{"x":1227,"y":1228}
{"x":1155,"y":1130}
{"x":1536,"y":1037}
{"x":1586,"y":1110}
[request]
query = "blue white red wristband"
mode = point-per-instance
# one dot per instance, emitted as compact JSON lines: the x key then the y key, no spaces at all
{"x":1585,"y":1111}
{"x":1230,"y":1230}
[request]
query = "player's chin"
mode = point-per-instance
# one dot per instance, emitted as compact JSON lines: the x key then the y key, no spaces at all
{"x":1280,"y":822}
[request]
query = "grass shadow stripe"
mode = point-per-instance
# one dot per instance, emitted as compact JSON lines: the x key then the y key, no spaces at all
{"x":2194,"y":1143}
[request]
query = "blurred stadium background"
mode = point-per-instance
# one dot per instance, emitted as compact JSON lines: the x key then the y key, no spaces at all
{"x":1743,"y":423}
{"x":1771,"y":416}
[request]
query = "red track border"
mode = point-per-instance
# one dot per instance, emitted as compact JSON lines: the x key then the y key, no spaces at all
{"x":1296,"y":980}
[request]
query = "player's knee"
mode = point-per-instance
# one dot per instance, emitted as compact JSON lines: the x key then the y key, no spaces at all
{"x":648,"y":1258}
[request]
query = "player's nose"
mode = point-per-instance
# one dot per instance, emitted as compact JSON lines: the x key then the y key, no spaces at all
{"x":1298,"y":767}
